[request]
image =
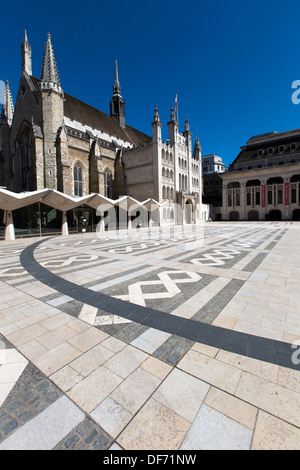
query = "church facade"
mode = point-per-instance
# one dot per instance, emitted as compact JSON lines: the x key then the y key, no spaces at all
{"x":52,"y":140}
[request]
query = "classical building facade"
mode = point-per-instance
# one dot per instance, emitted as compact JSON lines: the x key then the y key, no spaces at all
{"x":52,"y":140}
{"x":263,"y":182}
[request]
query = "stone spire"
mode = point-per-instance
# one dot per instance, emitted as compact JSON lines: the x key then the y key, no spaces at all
{"x":117,"y":104}
{"x":8,"y":106}
{"x":49,"y":76}
{"x":26,"y":55}
{"x":116,"y":87}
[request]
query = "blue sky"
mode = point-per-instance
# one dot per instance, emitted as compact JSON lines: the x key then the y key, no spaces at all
{"x":232,"y":63}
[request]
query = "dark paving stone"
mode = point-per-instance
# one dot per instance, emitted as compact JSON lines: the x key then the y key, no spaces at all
{"x":173,"y":349}
{"x":237,"y":344}
{"x":250,"y":268}
{"x":213,"y":308}
{"x":32,"y":393}
{"x":72,"y":308}
{"x":86,"y":436}
{"x":131,"y":332}
{"x":270,"y":246}
{"x":260,"y":348}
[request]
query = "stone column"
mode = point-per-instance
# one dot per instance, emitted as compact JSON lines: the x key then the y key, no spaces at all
{"x":64,"y":224}
{"x":101,"y":224}
{"x":9,"y":227}
{"x":243,"y":201}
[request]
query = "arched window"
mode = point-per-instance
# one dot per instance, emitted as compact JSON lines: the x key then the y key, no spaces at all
{"x":233,"y":190}
{"x":107,"y":184}
{"x":295,"y":189}
{"x":78,"y":180}
{"x":275,"y":190}
{"x":270,"y":197}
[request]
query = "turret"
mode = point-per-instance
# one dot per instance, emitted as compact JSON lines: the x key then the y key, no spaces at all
{"x":188,"y":135}
{"x":173,"y":127}
{"x":156,"y":126}
{"x":197,"y":150}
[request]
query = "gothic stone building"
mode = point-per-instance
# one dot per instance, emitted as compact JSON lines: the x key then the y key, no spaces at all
{"x":52,"y":140}
{"x":263,"y":182}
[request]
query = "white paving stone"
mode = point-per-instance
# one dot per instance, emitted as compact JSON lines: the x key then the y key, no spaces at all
{"x":212,"y":430}
{"x":46,"y":429}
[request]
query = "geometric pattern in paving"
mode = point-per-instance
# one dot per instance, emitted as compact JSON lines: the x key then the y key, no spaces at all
{"x":113,"y":334}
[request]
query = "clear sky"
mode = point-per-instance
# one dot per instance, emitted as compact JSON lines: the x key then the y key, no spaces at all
{"x":231,"y":62}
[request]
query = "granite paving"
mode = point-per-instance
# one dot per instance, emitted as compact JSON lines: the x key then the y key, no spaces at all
{"x":180,"y":339}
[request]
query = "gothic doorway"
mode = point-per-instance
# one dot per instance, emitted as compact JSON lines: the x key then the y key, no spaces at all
{"x":296,"y":214}
{"x":188,"y":212}
{"x":234,"y":215}
{"x":275,"y":215}
{"x":253,"y":215}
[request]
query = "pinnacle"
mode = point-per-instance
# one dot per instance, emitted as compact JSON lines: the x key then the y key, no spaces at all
{"x":8,"y":105}
{"x":49,"y":75}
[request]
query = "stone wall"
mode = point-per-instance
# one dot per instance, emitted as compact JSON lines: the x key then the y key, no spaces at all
{"x":52,"y":105}
{"x":27,"y":110}
{"x":138,"y":164}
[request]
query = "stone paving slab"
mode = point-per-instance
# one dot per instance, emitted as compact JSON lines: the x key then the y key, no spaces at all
{"x":201,"y":355}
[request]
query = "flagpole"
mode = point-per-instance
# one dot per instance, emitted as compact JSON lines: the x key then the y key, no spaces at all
{"x":176,"y":106}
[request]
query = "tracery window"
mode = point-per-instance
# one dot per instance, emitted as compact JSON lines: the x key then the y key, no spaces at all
{"x":107,"y":181}
{"x":78,"y":180}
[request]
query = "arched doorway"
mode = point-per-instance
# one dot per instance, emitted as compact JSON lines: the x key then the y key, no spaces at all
{"x":296,"y":214}
{"x":253,"y":215}
{"x":188,"y":212}
{"x":275,"y":215}
{"x":234,"y":215}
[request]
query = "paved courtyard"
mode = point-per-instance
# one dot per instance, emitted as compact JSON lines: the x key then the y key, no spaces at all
{"x":184,"y":340}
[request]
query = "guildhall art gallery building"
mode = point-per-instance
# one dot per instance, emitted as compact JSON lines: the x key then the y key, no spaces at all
{"x":263,"y":182}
